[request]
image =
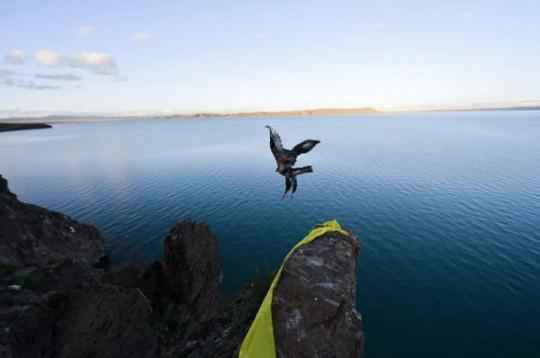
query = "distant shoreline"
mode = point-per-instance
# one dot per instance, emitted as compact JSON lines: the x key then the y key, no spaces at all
{"x":290,"y":113}
{"x":5,"y":127}
{"x":486,"y":109}
{"x":321,"y":112}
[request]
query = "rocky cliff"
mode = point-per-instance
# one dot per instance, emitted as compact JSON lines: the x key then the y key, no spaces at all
{"x":55,"y":303}
{"x":34,"y":236}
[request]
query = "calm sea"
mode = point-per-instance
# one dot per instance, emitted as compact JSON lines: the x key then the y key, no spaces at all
{"x":446,"y":205}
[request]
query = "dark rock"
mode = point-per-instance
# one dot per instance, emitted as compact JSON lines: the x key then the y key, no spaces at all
{"x":183,"y":289}
{"x":222,"y":336}
{"x":4,"y":127}
{"x":104,"y":263}
{"x":4,"y":190}
{"x":73,"y":315}
{"x":64,"y":276}
{"x":125,"y":276}
{"x":192,"y":267}
{"x":34,"y":236}
{"x":108,"y":322}
{"x":29,"y":316}
{"x":150,"y":280}
{"x":314,"y":302}
{"x":29,"y":330}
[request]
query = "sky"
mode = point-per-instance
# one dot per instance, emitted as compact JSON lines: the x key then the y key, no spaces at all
{"x":192,"y":56}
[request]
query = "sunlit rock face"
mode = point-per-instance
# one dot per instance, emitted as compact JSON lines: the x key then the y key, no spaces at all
{"x":314,"y":302}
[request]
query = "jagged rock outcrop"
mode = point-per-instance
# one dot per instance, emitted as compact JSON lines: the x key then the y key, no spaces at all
{"x":192,"y":267}
{"x":31,"y":235}
{"x":314,"y":302}
{"x":188,"y":276}
{"x":184,"y":289}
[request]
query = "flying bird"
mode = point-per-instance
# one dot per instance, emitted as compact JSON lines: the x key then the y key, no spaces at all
{"x":286,"y":158}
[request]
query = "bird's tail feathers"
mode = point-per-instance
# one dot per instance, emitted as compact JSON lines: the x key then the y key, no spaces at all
{"x":302,"y":170}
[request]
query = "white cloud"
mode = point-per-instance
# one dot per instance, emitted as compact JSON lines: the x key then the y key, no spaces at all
{"x":140,"y":36}
{"x":94,"y":62}
{"x":48,"y":57}
{"x":15,"y":57}
{"x":86,"y":30}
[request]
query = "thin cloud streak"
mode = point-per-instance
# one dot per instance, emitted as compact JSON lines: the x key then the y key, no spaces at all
{"x":13,"y":79}
{"x":30,"y":85}
{"x":58,"y":77}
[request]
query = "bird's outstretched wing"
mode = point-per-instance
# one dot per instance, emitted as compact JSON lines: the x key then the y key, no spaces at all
{"x":275,"y":143}
{"x":305,"y":146}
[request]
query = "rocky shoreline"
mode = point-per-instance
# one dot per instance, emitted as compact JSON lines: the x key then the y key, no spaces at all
{"x":5,"y":127}
{"x":59,"y":298}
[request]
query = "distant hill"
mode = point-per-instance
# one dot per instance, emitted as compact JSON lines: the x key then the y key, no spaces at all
{"x":90,"y":118}
{"x":301,"y":112}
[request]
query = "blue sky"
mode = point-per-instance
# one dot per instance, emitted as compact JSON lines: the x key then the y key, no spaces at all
{"x":105,"y":56}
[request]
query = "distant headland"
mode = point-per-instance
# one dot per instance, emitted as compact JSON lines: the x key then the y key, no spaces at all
{"x":4,"y":127}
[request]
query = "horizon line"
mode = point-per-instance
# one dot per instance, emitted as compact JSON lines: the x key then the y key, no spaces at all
{"x":17,"y":113}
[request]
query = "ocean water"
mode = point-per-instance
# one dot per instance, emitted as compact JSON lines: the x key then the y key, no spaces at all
{"x":446,"y":206}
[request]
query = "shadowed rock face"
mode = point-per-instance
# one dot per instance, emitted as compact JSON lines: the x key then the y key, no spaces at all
{"x":184,"y":290}
{"x":53,"y":304}
{"x":314,"y":302}
{"x":192,"y":267}
{"x":65,"y":310}
{"x":31,"y":235}
{"x":4,"y":187}
{"x":108,"y":322}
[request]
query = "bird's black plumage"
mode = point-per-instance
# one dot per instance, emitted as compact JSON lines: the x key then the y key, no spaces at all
{"x":286,"y":158}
